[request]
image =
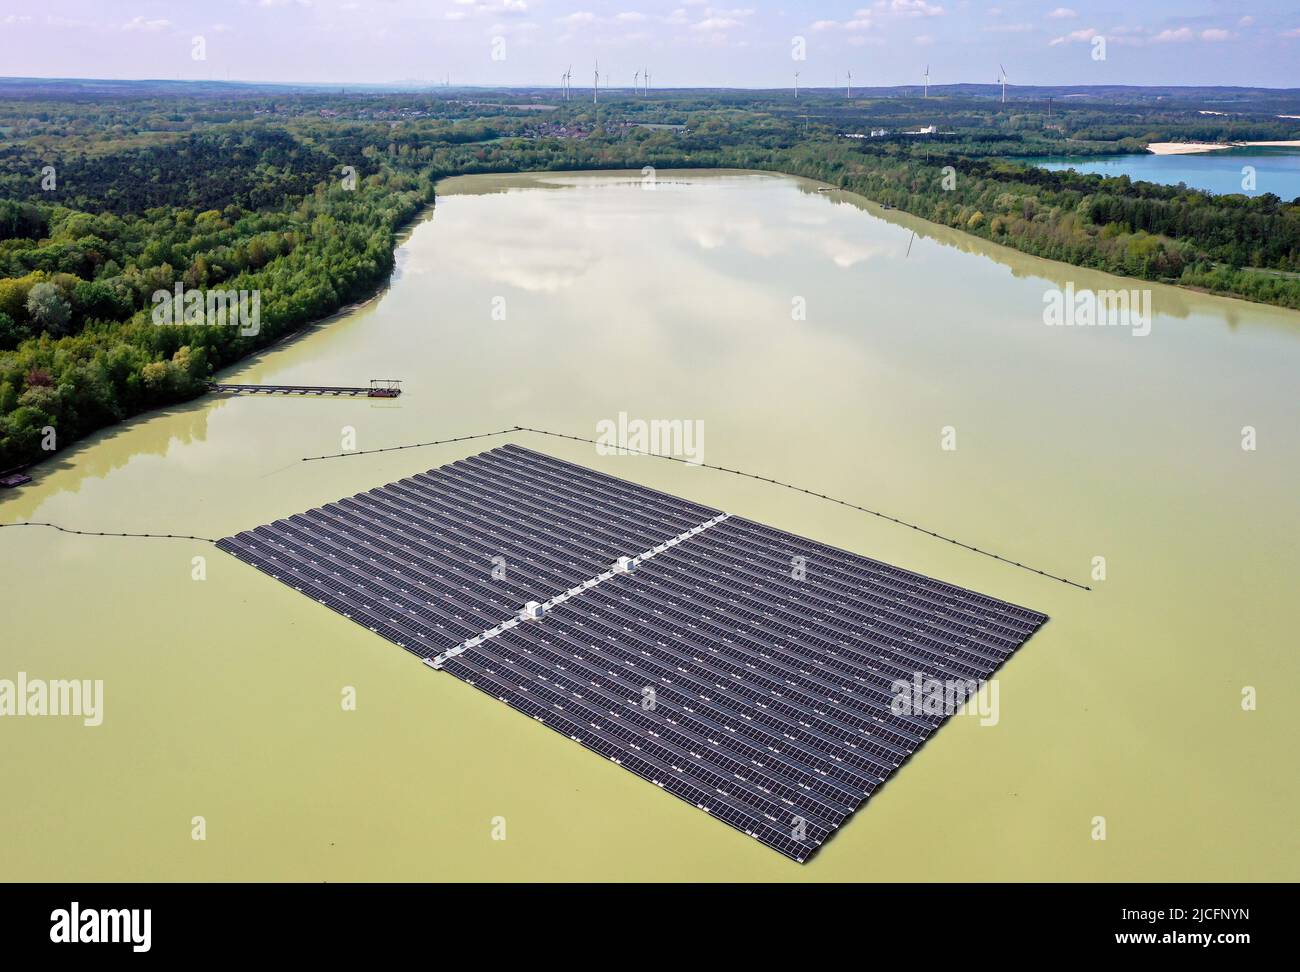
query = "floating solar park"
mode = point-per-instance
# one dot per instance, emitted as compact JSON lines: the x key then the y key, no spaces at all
{"x":692,"y":647}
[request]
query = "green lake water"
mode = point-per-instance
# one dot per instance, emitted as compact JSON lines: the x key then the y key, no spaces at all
{"x":222,"y":696}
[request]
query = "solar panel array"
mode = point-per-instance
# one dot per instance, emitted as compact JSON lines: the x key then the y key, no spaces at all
{"x":746,"y":670}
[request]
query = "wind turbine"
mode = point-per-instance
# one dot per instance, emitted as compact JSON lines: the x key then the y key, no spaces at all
{"x":595,"y":82}
{"x":647,"y":81}
{"x":796,"y":85}
{"x":1003,"y":79}
{"x":636,"y":81}
{"x":927,"y":81}
{"x":848,"y":85}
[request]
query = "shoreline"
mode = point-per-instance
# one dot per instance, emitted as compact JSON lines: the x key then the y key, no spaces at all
{"x":403,"y":232}
{"x":1197,"y":148}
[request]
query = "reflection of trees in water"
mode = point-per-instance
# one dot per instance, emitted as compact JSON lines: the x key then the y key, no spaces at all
{"x":1170,"y":301}
{"x":494,"y":183}
{"x":1167,"y":300}
{"x":94,"y":457}
{"x":155,"y":432}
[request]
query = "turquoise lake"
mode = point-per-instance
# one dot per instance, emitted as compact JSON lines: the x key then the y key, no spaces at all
{"x":1276,"y":170}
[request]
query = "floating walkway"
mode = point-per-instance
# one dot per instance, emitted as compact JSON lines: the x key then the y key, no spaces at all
{"x":378,"y":388}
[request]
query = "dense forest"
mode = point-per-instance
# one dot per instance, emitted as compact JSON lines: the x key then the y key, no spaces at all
{"x":107,"y":197}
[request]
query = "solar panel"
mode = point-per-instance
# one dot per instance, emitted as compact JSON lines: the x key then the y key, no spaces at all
{"x":749,"y":671}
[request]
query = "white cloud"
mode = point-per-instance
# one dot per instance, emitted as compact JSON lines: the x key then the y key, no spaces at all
{"x":1127,"y":36}
{"x":716,"y":23}
{"x":150,"y":26}
{"x":1216,"y":34}
{"x":1174,"y":36}
{"x":861,"y":21}
{"x":907,"y":8}
{"x":577,"y":17}
{"x":630,"y":17}
{"x":500,"y":8}
{"x":1063,"y":13}
{"x":1076,"y":36}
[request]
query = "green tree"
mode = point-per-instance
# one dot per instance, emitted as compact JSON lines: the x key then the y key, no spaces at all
{"x":48,"y":309}
{"x":11,"y":335}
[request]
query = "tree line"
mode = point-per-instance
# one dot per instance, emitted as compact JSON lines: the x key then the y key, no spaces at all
{"x":300,"y":196}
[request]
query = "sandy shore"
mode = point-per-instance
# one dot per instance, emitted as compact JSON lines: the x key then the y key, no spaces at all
{"x":1183,"y":148}
{"x":1190,"y":148}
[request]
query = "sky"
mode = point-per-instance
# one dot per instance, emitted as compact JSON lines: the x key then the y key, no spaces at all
{"x":684,"y":43}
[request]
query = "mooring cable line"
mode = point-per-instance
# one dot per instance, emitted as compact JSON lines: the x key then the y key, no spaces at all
{"x":832,"y":499}
{"x":748,"y":475}
{"x":578,"y":438}
{"x":413,"y":445}
{"x":185,"y":536}
{"x":107,"y":533}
